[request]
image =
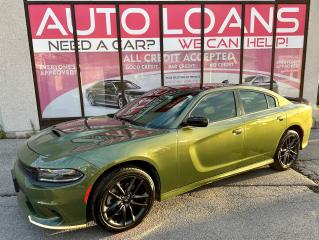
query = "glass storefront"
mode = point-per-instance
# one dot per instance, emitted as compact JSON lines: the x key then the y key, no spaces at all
{"x":161,"y":44}
{"x":222,"y":43}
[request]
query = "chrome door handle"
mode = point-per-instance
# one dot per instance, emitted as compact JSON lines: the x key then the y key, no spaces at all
{"x":280,"y":118}
{"x":237,"y":131}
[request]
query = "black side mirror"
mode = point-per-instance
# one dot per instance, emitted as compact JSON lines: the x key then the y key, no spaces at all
{"x":196,"y":122}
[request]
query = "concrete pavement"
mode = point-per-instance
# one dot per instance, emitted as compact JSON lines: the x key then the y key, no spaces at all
{"x":308,"y":163}
{"x":261,"y":204}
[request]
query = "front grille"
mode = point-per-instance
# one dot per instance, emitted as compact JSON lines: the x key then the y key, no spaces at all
{"x":29,"y":171}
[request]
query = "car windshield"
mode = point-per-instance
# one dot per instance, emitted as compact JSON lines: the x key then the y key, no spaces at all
{"x":127,"y":85}
{"x":250,"y":78}
{"x":156,"y":111}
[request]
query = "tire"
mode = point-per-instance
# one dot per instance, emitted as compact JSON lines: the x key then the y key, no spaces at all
{"x":91,"y":100}
{"x":122,"y":199}
{"x":121,"y":102}
{"x":287,"y":151}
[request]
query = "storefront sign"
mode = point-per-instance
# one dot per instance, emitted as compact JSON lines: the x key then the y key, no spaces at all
{"x":96,"y":27}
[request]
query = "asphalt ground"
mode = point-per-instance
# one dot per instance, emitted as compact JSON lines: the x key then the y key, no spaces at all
{"x":260,"y":204}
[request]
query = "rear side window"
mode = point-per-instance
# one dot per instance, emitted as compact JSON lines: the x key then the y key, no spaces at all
{"x":253,"y":101}
{"x":271,"y":101}
{"x":216,"y":106}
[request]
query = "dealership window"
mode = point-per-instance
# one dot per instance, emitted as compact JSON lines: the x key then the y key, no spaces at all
{"x":141,"y":56}
{"x":109,"y":80}
{"x":55,"y":63}
{"x":222,"y":43}
{"x":258,"y":34}
{"x":289,"y":49}
{"x":182,"y":43}
{"x":98,"y":57}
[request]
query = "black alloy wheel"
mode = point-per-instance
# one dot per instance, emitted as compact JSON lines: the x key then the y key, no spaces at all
{"x":123,"y":199}
{"x":91,"y":100}
{"x":288,"y":151}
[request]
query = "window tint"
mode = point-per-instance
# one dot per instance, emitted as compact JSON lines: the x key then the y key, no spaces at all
{"x":217,"y":106}
{"x":109,"y":87}
{"x":258,"y":79}
{"x":271,"y":101}
{"x":253,"y":101}
{"x":158,"y":108}
{"x":267,"y":79}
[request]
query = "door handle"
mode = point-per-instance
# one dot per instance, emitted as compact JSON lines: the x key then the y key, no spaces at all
{"x":237,"y":131}
{"x":280,"y":118}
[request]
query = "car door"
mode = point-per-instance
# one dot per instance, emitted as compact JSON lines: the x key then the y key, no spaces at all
{"x":109,"y":93}
{"x":97,"y":91}
{"x":204,"y":152}
{"x":265,"y":123}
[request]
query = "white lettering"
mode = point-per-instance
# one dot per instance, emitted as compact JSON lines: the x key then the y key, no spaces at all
{"x":165,"y":25}
{"x":57,"y":24}
{"x":107,"y":12}
{"x":198,"y":10}
{"x":295,"y":21}
{"x":232,"y":13}
{"x":256,"y":15}
{"x":135,"y":31}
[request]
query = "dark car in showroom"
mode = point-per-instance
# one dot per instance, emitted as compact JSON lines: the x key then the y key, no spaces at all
{"x":258,"y":81}
{"x":108,"y":92}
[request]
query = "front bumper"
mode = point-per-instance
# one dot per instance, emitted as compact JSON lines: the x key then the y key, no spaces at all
{"x":52,"y":206}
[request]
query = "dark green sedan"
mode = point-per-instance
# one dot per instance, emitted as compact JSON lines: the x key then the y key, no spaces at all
{"x":111,"y":169}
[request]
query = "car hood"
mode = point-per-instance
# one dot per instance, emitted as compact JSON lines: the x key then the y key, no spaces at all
{"x":86,"y":134}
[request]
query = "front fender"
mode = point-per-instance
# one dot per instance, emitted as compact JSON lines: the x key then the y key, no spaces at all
{"x":158,"y":151}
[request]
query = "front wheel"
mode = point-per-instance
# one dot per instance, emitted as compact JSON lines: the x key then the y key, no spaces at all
{"x":287,"y":151}
{"x":122,"y":199}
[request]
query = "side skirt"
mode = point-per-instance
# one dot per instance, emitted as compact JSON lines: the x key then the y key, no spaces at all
{"x":192,"y":186}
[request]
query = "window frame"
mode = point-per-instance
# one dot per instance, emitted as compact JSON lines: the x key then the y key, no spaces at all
{"x":276,"y":102}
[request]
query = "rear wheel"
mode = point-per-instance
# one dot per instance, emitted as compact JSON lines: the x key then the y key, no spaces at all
{"x":121,"y":102}
{"x":287,"y":151}
{"x":122,"y":199}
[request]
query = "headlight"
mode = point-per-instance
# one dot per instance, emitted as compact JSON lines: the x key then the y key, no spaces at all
{"x":58,"y":175}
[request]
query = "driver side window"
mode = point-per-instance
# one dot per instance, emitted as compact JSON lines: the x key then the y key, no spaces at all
{"x":109,"y":88}
{"x":216,"y":106}
{"x":258,"y":80}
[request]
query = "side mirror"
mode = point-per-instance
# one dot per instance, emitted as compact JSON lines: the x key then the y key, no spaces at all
{"x":196,"y":122}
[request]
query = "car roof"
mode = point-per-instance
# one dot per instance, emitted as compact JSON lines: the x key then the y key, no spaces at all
{"x":195,"y":88}
{"x":116,"y":80}
{"x":190,"y":88}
